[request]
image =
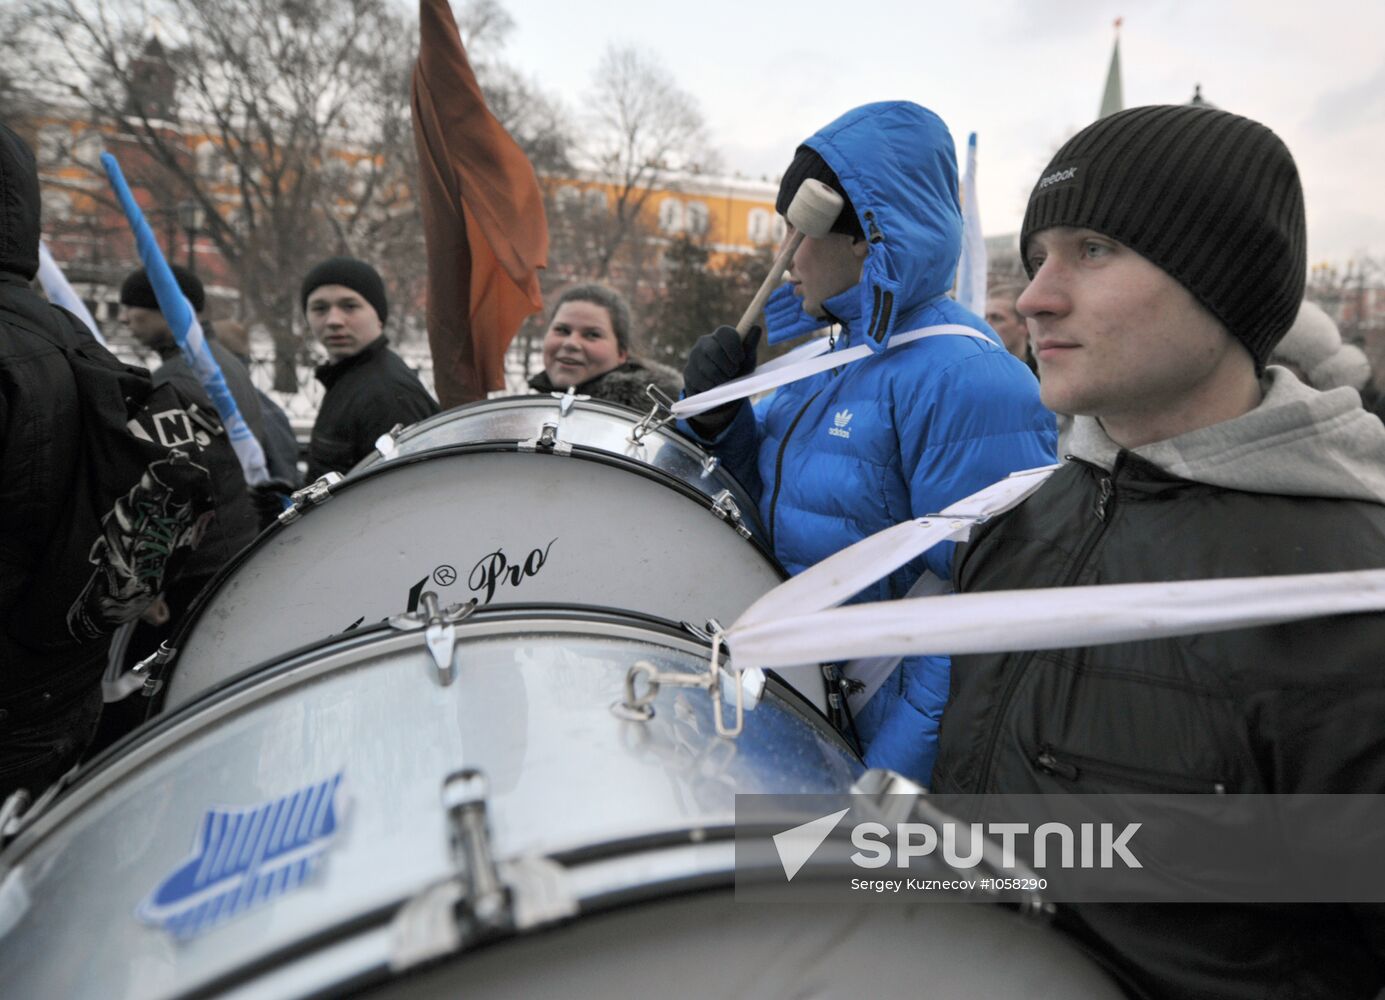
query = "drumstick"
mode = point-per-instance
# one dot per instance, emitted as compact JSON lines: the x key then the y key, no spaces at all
{"x":814,"y":208}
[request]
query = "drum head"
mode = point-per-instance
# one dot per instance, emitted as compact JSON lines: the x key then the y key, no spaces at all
{"x":486,"y":522}
{"x":589,"y":423}
{"x":309,"y":798}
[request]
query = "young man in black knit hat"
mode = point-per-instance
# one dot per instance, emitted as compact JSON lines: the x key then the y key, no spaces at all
{"x":1166,"y":247}
{"x":369,"y":387}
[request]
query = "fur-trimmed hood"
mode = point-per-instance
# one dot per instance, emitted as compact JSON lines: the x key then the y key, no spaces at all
{"x":624,"y":385}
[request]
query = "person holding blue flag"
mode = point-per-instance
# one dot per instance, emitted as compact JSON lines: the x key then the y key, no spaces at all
{"x":842,"y":454}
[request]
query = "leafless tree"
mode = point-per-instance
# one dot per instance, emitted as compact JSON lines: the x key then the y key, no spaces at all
{"x":640,"y":126}
{"x":279,"y":118}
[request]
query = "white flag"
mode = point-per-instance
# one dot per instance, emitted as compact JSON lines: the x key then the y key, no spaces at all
{"x":971,"y":271}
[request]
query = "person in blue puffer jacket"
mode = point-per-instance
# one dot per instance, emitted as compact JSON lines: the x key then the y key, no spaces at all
{"x":843,"y":454}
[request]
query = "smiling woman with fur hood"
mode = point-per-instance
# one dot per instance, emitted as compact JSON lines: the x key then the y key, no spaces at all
{"x":588,"y":348}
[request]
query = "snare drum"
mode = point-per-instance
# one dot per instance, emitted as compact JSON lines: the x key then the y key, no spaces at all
{"x":578,"y":420}
{"x":363,"y":815}
{"x":496,"y":522}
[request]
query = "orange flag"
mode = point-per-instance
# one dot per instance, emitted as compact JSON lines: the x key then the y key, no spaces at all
{"x":483,"y":218}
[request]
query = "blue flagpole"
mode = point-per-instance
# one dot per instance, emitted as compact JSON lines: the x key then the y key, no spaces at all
{"x":187,"y":330}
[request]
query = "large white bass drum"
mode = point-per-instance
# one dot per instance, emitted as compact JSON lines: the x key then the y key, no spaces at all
{"x":447,"y":808}
{"x":567,"y":419}
{"x":499,"y":522}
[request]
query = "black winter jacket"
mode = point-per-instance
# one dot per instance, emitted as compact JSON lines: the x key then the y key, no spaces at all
{"x":40,"y":420}
{"x":1298,"y":707}
{"x":367,"y":394}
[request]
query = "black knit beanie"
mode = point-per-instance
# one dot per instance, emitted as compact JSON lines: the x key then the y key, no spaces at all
{"x":138,"y":290}
{"x":807,"y":163}
{"x":351,"y":273}
{"x":1212,"y":198}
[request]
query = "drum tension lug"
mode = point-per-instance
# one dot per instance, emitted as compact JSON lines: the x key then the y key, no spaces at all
{"x":311,"y":495}
{"x":724,"y":506}
{"x":12,"y":812}
{"x":145,"y":668}
{"x":387,"y":444}
{"x":487,"y":899}
{"x":440,"y":635}
{"x":547,"y":441}
{"x":566,"y":400}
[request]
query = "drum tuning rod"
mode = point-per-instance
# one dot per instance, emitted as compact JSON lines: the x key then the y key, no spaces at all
{"x":812,"y":212}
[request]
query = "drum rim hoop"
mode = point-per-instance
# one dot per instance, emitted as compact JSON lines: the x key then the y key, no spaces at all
{"x":270,"y":678}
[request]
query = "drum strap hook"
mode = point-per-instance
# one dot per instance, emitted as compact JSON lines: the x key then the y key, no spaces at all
{"x":660,"y":415}
{"x":638,"y":705}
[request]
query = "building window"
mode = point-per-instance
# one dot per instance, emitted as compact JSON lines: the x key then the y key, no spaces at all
{"x":759,"y":226}
{"x":778,"y":228}
{"x":671,"y":215}
{"x":596,"y":200}
{"x":698,"y":218}
{"x":568,"y":198}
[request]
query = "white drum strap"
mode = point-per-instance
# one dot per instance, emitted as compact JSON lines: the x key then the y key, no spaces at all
{"x":799,"y":623}
{"x":1051,"y":618}
{"x":854,"y":568}
{"x":809,"y":359}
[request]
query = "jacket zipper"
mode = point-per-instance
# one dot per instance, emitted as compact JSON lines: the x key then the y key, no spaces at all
{"x":779,"y":465}
{"x":1070,"y":767}
{"x":1106,"y":499}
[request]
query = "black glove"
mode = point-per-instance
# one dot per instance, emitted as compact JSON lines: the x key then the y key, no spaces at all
{"x":715,"y":359}
{"x":269,"y":499}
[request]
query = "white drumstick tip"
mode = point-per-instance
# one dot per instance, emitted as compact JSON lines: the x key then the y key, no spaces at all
{"x":814,"y":208}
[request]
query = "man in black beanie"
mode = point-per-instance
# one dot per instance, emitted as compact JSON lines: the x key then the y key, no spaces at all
{"x":1166,"y":248}
{"x":369,"y":387}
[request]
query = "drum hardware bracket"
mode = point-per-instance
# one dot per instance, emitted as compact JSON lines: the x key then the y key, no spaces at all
{"x":440,"y":633}
{"x":311,"y":495}
{"x":566,"y":400}
{"x":387,"y":444}
{"x":20,"y":808}
{"x":657,"y":417}
{"x":16,"y":803}
{"x":484,"y":898}
{"x":638,"y":705}
{"x":145,"y":668}
{"x":724,"y":506}
{"x":709,"y":465}
{"x":547,"y":440}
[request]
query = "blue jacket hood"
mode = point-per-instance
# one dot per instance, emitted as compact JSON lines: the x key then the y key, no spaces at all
{"x":897,"y":164}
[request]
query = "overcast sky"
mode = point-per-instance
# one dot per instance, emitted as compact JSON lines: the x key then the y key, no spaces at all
{"x":1023,"y":74}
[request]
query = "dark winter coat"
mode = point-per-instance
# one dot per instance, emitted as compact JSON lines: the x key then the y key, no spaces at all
{"x":48,"y":702}
{"x":236,"y":523}
{"x":367,"y":394}
{"x":1297,"y":486}
{"x":625,"y":385}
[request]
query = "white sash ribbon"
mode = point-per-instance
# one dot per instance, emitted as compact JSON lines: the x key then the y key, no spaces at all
{"x":809,"y":359}
{"x":800,"y":623}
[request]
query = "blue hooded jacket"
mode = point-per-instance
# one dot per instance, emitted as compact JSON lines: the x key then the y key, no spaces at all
{"x":848,"y":452}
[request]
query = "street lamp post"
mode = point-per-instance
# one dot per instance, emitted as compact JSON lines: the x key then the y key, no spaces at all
{"x":191,"y":217}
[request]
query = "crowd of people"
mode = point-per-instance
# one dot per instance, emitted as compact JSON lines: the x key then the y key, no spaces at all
{"x":1210,"y":427}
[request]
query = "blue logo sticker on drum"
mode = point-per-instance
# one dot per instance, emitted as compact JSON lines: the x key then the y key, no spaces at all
{"x":242,"y":858}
